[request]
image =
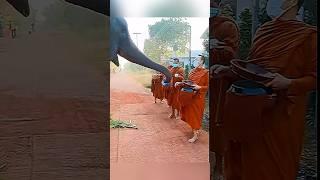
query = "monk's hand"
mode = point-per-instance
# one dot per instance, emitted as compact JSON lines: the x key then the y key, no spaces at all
{"x":196,"y":87}
{"x":279,"y":82}
{"x":177,"y":84}
{"x":219,"y":71}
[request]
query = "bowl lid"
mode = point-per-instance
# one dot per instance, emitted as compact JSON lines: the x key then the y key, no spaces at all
{"x":250,"y":88}
{"x":187,"y":89}
{"x":250,"y":71}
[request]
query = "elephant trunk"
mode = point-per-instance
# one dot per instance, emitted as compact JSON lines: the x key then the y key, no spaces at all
{"x":129,"y":51}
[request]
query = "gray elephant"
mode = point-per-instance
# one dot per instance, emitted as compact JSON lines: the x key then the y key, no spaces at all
{"x":120,"y":41}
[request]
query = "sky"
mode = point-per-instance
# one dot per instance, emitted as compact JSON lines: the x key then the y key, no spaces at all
{"x":161,"y":8}
{"x":140,"y":25}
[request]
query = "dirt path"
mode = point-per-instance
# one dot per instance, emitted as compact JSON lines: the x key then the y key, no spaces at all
{"x":158,"y":139}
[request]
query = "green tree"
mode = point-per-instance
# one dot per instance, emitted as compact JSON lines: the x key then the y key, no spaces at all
{"x":309,"y":18}
{"x":167,"y":36}
{"x":187,"y":70}
{"x":205,"y":40}
{"x":245,"y":32}
{"x":227,"y":11}
{"x":205,"y":44}
{"x":131,"y":67}
{"x":263,"y":16}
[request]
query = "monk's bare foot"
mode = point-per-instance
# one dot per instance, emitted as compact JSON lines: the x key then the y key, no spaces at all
{"x":195,"y":137}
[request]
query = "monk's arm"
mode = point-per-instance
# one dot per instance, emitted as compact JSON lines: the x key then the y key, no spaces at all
{"x":181,"y":74}
{"x":308,"y":81}
{"x":204,"y":84}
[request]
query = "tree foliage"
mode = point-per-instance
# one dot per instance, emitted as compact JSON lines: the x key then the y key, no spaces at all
{"x":167,"y":36}
{"x":309,"y":18}
{"x":205,"y":41}
{"x":263,"y":16}
{"x":245,"y":32}
{"x":227,"y":11}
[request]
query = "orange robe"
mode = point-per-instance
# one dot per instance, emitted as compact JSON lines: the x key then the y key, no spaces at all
{"x":288,"y":48}
{"x":173,"y":93}
{"x":226,"y":30}
{"x":167,"y":89}
{"x":193,"y":112}
{"x":156,"y":86}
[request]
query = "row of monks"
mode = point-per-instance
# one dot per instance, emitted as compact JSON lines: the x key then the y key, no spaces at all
{"x":285,"y":47}
{"x":185,"y":96}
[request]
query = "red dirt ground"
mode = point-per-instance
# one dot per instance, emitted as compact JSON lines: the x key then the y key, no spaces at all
{"x":158,"y":139}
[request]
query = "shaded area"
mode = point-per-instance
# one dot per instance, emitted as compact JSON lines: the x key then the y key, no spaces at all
{"x":53,"y":108}
{"x":308,"y":164}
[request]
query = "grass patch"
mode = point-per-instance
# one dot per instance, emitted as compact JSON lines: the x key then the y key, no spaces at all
{"x":121,"y":124}
{"x":205,"y":120}
{"x":144,"y":77}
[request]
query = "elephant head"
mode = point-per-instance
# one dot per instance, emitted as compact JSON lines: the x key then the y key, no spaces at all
{"x":120,"y":41}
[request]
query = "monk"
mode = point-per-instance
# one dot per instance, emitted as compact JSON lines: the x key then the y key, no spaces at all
{"x":224,"y":45}
{"x":156,"y":87}
{"x":167,"y":89}
{"x":177,"y":76}
{"x":192,"y":113}
{"x":287,"y":48}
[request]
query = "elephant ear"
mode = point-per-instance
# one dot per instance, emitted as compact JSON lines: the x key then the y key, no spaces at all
{"x":22,"y":6}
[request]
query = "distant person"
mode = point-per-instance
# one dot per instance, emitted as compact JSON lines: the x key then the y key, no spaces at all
{"x":192,"y":111}
{"x":177,"y":76}
{"x":167,"y":89}
{"x":156,"y":87}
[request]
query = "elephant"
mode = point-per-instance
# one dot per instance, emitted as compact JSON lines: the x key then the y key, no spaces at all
{"x":120,"y":41}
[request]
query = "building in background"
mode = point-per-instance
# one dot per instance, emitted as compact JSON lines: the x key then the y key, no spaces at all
{"x":185,"y":60}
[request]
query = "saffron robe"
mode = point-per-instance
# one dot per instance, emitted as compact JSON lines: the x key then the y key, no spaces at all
{"x":193,"y":112}
{"x":156,"y":86}
{"x":167,"y":89}
{"x":173,"y":92}
{"x":226,"y":30}
{"x":287,"y":47}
